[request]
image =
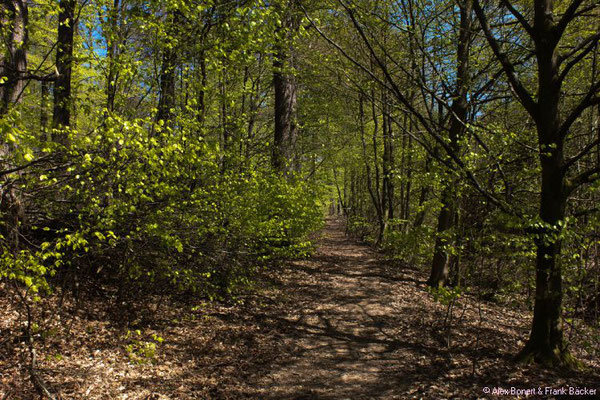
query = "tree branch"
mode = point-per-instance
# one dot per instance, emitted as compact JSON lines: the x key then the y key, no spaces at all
{"x":570,"y":161}
{"x":522,"y":94}
{"x":582,"y":179}
{"x":589,"y":100}
{"x":566,"y":18}
{"x":590,"y":42}
{"x":518,"y":16}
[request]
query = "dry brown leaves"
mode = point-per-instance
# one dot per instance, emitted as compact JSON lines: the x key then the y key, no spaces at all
{"x":342,"y":325}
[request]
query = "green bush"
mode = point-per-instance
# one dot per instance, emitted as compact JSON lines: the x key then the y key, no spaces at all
{"x":123,"y":203}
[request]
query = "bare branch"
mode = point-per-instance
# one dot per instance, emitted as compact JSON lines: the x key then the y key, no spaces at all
{"x":584,"y":48}
{"x":569,"y":162}
{"x":518,"y":16}
{"x":522,"y":94}
{"x":590,"y":100}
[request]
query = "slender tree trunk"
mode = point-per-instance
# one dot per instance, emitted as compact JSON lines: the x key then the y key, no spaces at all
{"x":425,"y":189}
{"x":378,"y":188}
{"x":440,"y":265}
{"x":243,"y":144}
{"x":112,"y":42}
{"x":388,"y":161}
{"x":408,"y":188}
{"x":254,"y":100}
{"x":458,"y":117}
{"x":203,"y":87}
{"x":373,"y":191}
{"x":226,"y":137}
{"x":45,"y":95}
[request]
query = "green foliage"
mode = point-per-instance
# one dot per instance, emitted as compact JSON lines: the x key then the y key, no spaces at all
{"x":152,"y":206}
{"x":140,"y":350}
{"x":446,"y":295}
{"x":26,"y":268}
{"x":360,"y":227}
{"x":414,"y":246}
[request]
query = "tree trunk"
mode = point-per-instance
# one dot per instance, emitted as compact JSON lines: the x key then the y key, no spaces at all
{"x":14,"y":15}
{"x":440,"y":265}
{"x":373,"y":191}
{"x":112,"y":42}
{"x":226,"y":137}
{"x":255,"y":101}
{"x":458,"y":117}
{"x":388,"y":161}
{"x":14,"y":66}
{"x":203,"y":87}
{"x":64,"y":65}
{"x":284,"y":83}
{"x":166,"y":100}
{"x":546,"y":343}
{"x":285,"y":108}
{"x":45,"y":94}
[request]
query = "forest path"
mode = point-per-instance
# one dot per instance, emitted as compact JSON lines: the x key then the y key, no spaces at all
{"x":352,"y":326}
{"x":359,"y":327}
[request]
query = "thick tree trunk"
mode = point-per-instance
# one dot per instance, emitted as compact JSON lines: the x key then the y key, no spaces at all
{"x":285,"y":108}
{"x":64,"y":64}
{"x":546,"y":343}
{"x":283,"y":157}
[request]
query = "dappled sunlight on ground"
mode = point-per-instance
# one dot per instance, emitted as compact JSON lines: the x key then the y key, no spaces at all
{"x":345,"y":324}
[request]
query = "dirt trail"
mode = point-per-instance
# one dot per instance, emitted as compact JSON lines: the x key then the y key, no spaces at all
{"x":361,"y":328}
{"x":344,"y":324}
{"x":345,"y":336}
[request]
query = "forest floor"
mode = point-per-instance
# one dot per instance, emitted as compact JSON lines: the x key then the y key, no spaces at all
{"x":344,"y":324}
